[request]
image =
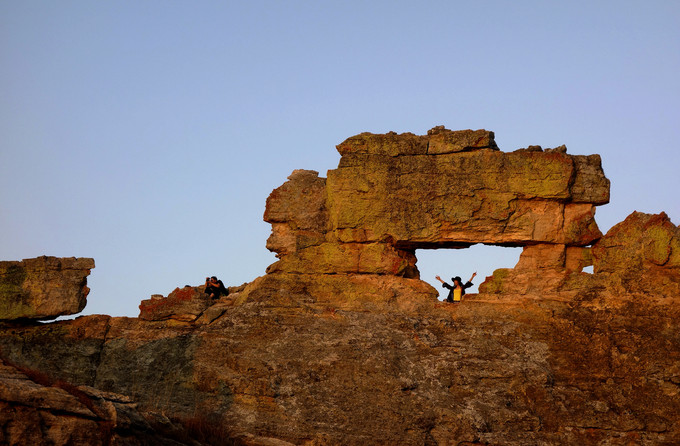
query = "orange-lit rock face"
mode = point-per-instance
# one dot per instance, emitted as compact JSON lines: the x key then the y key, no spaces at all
{"x":340,"y":344}
{"x":641,"y":254}
{"x":44,"y":287}
{"x":392,"y":194}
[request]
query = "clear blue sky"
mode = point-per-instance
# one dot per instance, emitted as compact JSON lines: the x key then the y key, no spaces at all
{"x":148,"y":134}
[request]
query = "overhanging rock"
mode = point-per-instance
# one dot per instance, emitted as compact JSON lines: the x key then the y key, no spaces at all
{"x":44,"y":287}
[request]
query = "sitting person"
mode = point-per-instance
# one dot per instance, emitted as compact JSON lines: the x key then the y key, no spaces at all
{"x":457,"y":291}
{"x":214,"y":287}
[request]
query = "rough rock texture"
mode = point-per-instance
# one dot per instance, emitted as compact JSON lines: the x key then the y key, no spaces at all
{"x":340,"y":343}
{"x":367,"y":359}
{"x":392,"y":194}
{"x":34,"y":410}
{"x":187,"y":304}
{"x":43,"y":288}
{"x":641,"y":254}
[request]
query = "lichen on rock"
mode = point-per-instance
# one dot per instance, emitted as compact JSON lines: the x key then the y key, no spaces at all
{"x":341,"y":343}
{"x":43,"y":288}
{"x":392,"y":194}
{"x":641,"y":254}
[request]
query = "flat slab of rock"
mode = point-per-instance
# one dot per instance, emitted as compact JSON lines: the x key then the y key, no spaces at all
{"x":44,"y":287}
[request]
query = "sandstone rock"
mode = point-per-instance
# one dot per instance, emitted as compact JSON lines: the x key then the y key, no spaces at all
{"x":392,"y":194}
{"x":507,"y":283}
{"x":640,"y":242}
{"x":442,"y":140}
{"x":578,"y":258}
{"x":44,"y":287}
{"x":297,"y":212}
{"x":476,"y":197}
{"x":37,"y":410}
{"x":534,"y":148}
{"x":542,"y":256}
{"x":559,"y":149}
{"x":301,"y":201}
{"x":183,"y":304}
{"x":80,"y":340}
{"x":348,"y":258}
{"x":187,"y":305}
{"x":368,"y":359}
{"x":389,"y":144}
{"x":339,"y":343}
{"x":438,"y":140}
{"x":355,"y":292}
{"x":641,"y":254}
{"x":639,"y":257}
{"x":579,"y":226}
{"x":589,"y":184}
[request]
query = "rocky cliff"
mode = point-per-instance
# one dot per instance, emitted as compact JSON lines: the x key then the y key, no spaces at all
{"x":341,"y":343}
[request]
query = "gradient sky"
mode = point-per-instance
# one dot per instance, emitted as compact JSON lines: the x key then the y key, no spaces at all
{"x":148,"y":134}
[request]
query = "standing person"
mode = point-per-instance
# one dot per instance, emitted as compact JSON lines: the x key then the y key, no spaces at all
{"x":457,"y":291}
{"x":215,"y":287}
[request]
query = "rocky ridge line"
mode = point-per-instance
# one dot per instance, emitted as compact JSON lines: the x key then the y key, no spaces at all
{"x":340,"y":343}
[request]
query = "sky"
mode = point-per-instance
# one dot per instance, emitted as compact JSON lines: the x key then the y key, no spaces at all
{"x":148,"y":134}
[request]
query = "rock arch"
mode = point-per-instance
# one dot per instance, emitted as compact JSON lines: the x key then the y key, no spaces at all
{"x":394,"y":193}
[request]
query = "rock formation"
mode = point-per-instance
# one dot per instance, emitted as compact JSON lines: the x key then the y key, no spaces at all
{"x":641,"y":255}
{"x":35,"y":410}
{"x":392,"y":194}
{"x":341,"y":343}
{"x":188,"y":304}
{"x":43,"y":288}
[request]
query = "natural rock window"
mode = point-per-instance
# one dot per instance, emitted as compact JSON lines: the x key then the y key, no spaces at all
{"x":447,"y":263}
{"x":394,"y":194}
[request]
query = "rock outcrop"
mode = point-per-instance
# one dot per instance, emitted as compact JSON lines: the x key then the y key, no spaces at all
{"x":188,"y":304}
{"x":341,"y":343}
{"x":392,"y":194}
{"x":641,"y":255}
{"x":35,"y":410}
{"x":183,"y":304}
{"x":43,"y":288}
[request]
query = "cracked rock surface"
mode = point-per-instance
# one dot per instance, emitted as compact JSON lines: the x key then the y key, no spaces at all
{"x":341,"y":343}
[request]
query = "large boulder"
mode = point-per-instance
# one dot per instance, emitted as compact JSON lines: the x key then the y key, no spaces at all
{"x":44,"y":287}
{"x":641,"y":255}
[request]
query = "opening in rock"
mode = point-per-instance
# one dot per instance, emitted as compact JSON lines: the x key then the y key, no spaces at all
{"x":447,"y":263}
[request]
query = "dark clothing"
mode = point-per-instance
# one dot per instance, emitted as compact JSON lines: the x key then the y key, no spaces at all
{"x":216,"y":289}
{"x":449,"y":298}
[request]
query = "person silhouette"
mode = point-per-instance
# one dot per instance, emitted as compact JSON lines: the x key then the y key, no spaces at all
{"x":215,"y":287}
{"x":457,"y":290}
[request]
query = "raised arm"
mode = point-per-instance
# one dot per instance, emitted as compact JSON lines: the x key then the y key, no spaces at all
{"x":473,"y":276}
{"x":439,"y":279}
